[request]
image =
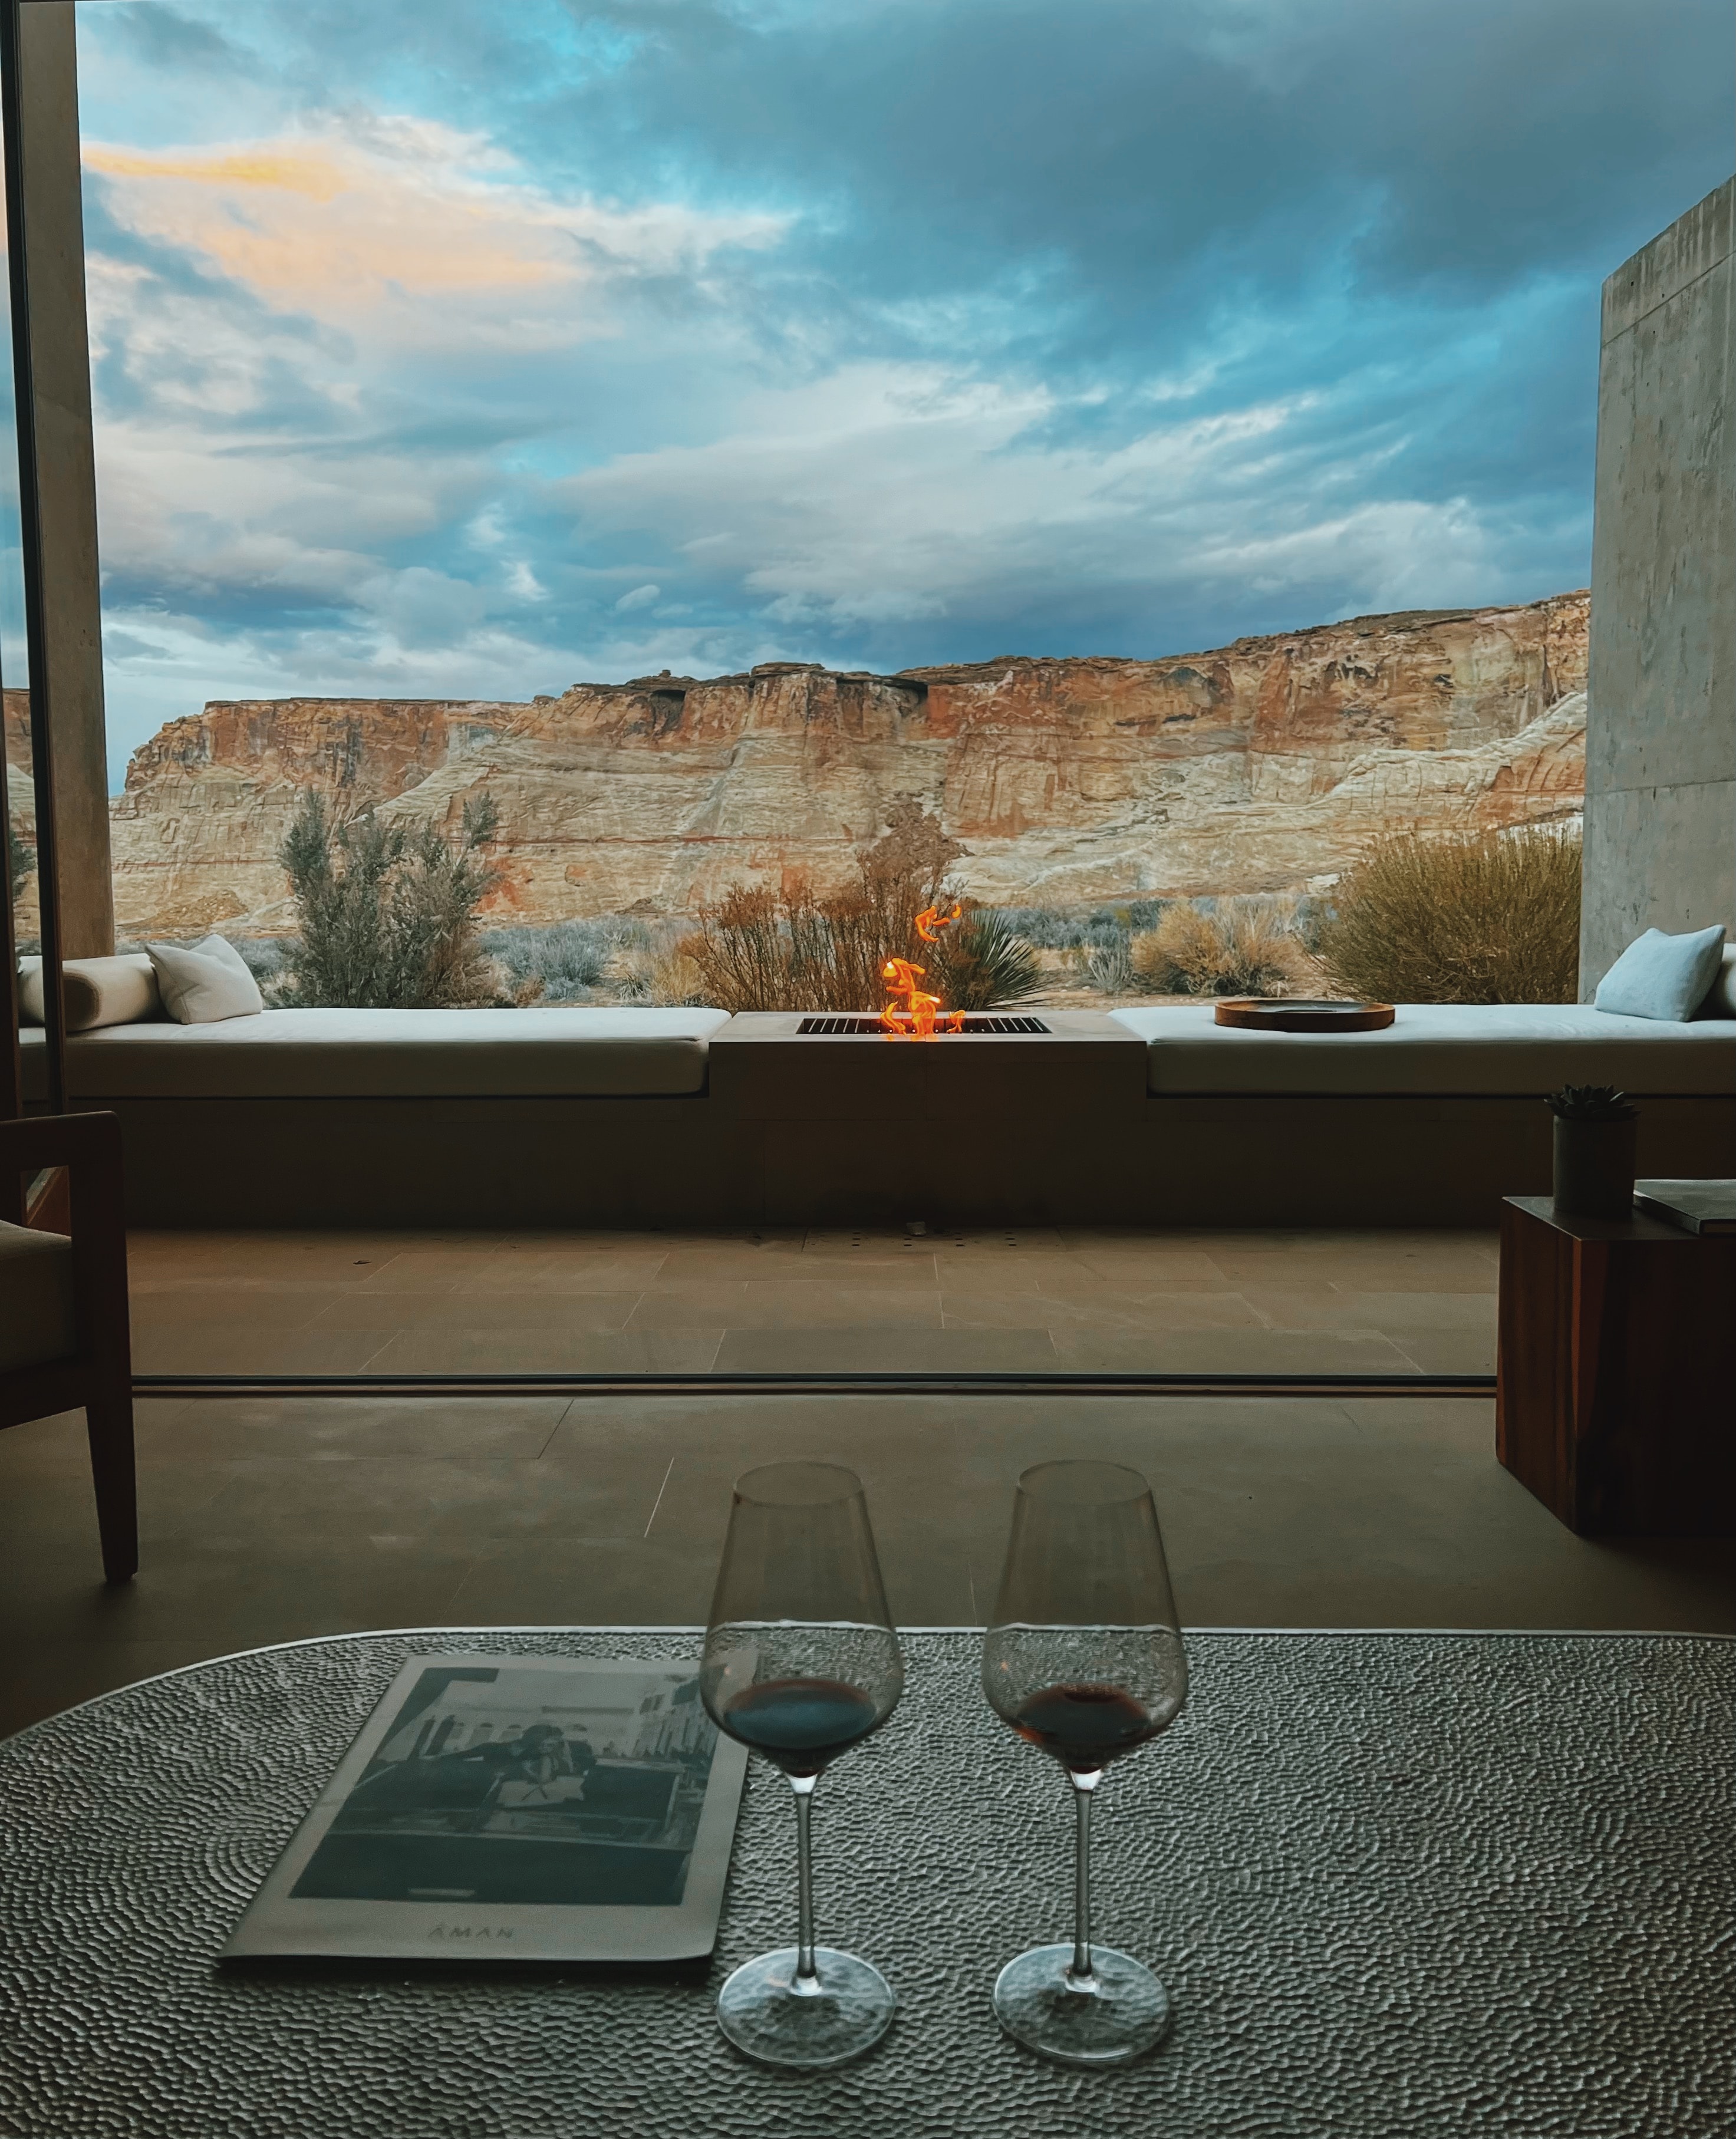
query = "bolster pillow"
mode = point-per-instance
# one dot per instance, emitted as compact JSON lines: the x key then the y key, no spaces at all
{"x":97,"y":991}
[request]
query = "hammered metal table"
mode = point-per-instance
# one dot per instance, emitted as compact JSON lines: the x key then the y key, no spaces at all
{"x":1401,"y":1885}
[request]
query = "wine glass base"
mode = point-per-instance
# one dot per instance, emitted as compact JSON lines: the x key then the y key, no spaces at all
{"x":766,"y":2018}
{"x":1119,"y":2014}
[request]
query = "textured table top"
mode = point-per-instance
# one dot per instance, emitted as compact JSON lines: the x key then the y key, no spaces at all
{"x":1401,"y":1886}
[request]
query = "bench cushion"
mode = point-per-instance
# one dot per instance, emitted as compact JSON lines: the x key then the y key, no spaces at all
{"x":36,"y":1297}
{"x":392,"y":1053}
{"x":1486,"y":1050}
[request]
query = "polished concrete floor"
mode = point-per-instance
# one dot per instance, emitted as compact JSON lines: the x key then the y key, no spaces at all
{"x":264,"y":1519}
{"x":1046,"y":1299}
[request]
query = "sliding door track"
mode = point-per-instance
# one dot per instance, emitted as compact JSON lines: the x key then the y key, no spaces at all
{"x":161,"y":1386}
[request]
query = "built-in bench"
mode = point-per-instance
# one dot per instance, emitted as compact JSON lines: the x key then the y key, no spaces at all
{"x":624,"y":1118}
{"x":392,"y":1055}
{"x":1480,"y":1049}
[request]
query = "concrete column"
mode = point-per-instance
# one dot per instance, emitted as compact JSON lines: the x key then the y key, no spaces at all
{"x":1660,"y":734}
{"x":54,"y":209}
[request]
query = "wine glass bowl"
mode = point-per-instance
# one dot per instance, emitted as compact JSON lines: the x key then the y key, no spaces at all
{"x":800,"y":1663}
{"x":1084,"y":1660}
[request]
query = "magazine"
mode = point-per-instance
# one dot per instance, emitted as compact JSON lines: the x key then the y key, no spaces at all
{"x":515,"y":1809}
{"x":1697,"y":1206}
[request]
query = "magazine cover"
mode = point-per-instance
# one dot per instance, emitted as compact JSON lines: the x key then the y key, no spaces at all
{"x":515,"y":1808}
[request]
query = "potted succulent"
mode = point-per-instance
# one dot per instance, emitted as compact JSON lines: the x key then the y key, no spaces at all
{"x":1595,"y":1130}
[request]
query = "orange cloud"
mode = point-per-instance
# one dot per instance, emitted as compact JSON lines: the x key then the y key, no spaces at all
{"x":316,"y":176}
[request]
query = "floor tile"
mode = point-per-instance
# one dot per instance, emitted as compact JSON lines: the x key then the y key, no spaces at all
{"x":789,"y":1307}
{"x":896,"y":1348}
{"x":524,"y":1273}
{"x":470,"y":1310}
{"x":556,"y":1581}
{"x":1448,"y":1351}
{"x":213,"y":1429}
{"x":631,"y":1351}
{"x":1111,"y":1307}
{"x":1394,"y":1313}
{"x":211,"y":1348}
{"x":1253,"y":1351}
{"x":1126,"y":1265}
{"x":787,"y":1262}
{"x":460,"y":1497}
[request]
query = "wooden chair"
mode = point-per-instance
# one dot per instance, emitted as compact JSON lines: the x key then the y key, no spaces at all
{"x":64,"y":1339}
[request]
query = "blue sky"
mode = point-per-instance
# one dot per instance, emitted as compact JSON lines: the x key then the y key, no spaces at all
{"x":461,"y":349}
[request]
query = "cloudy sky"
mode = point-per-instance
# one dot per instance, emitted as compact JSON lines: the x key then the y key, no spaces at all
{"x":446,"y":347}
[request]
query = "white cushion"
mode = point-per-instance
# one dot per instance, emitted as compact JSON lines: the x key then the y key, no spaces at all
{"x":95,"y":990}
{"x":206,"y":982}
{"x":395,"y":1053}
{"x":1721,"y":1001}
{"x":1665,"y":977}
{"x":1482,"y":1048}
{"x":36,"y":1297}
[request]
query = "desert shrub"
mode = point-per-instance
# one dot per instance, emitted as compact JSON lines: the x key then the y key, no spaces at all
{"x":1047,"y":928}
{"x":267,"y":958}
{"x":387,"y":912}
{"x":559,"y":964}
{"x":21,"y":861}
{"x":795,"y":948}
{"x":664,"y":974}
{"x":1108,"y":966}
{"x":1230,"y":947}
{"x":1463,"y":918}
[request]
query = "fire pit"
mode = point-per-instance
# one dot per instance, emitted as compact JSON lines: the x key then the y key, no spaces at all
{"x":872,"y":1025}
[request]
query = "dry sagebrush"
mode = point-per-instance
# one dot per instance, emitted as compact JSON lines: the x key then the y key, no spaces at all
{"x":794,"y":948}
{"x":1467,"y":918}
{"x":1244,"y":947}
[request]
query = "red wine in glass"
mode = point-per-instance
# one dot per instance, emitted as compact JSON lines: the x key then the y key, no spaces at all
{"x":801,"y":1724}
{"x":801,"y":1663}
{"x":1084,"y":1727}
{"x":1084,"y":1658}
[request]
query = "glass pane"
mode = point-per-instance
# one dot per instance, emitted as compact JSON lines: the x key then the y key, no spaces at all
{"x":895,"y":511}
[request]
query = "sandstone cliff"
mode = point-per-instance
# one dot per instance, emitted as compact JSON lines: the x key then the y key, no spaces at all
{"x":1259,"y":766}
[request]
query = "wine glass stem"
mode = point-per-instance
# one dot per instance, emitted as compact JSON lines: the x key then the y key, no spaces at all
{"x":808,"y":1979}
{"x":1084,"y":1787}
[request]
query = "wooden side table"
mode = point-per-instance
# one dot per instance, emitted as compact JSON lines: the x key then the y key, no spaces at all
{"x":1615,"y":1391}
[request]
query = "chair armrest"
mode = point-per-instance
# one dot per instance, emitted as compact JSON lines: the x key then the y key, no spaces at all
{"x":44,"y":1140}
{"x":88,"y":1147}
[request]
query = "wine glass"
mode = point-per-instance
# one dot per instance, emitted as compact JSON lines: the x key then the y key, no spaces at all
{"x":1084,"y":1658}
{"x":800,"y":1663}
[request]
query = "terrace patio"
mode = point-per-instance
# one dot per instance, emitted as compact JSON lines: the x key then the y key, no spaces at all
{"x":1039,"y":1301}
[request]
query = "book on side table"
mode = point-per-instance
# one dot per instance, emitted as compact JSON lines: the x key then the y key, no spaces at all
{"x":544,"y":1808}
{"x":1697,"y":1206}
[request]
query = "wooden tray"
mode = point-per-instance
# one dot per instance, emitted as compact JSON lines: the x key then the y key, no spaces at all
{"x":1303,"y":1014}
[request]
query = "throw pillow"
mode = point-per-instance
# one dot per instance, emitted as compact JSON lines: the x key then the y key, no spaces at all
{"x":1721,"y":1002}
{"x":203,"y":983}
{"x":1666,"y":977}
{"x":96,"y":992}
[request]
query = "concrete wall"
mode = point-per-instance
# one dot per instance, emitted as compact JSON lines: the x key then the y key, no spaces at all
{"x":1660,"y":739}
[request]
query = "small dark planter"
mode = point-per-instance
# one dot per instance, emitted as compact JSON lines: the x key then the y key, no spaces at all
{"x":1594,"y":1167}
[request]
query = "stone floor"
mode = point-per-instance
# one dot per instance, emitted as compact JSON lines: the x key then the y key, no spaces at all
{"x":1045,"y":1300}
{"x":264,"y":1519}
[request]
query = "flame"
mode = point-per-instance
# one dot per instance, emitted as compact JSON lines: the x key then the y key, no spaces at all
{"x":920,"y":1016}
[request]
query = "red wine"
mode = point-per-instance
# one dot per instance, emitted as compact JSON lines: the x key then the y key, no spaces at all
{"x":801,"y":1723}
{"x":1084,"y":1725}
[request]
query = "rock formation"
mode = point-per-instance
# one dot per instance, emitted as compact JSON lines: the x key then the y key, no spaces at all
{"x":1261,"y":765}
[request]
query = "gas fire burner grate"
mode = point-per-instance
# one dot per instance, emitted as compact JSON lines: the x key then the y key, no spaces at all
{"x":856,"y":1026}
